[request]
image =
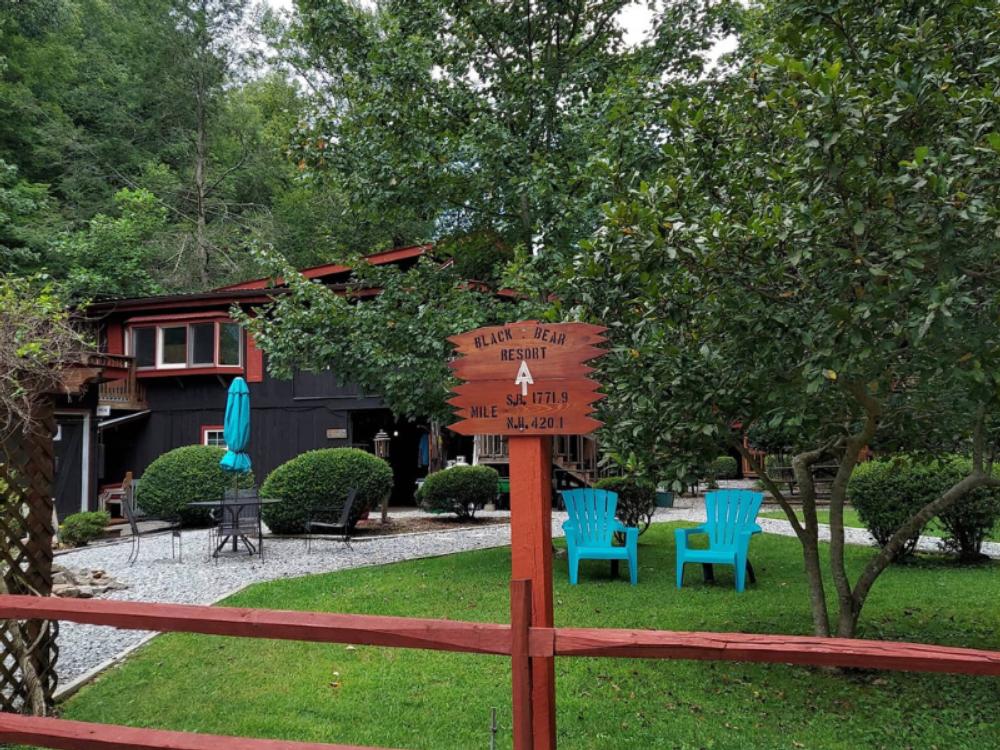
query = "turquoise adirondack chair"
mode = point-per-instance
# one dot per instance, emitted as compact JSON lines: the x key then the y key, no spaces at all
{"x":591,"y":527}
{"x":731,"y":522}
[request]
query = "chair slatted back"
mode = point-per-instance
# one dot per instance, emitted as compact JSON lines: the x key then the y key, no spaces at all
{"x":593,"y":514}
{"x":239,"y":512}
{"x":729,"y":513}
{"x":345,"y":514}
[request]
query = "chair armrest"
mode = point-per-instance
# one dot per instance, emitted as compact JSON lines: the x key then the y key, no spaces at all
{"x":569,"y":529}
{"x":756,"y":529}
{"x":619,"y":526}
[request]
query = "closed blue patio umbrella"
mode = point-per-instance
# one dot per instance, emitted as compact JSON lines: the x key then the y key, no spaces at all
{"x":236,"y":429}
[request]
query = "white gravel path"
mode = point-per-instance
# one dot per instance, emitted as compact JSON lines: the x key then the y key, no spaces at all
{"x":87,"y":649}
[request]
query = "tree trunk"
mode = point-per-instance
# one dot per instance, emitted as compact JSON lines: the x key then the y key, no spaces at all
{"x":847,"y":622}
{"x":201,"y":243}
{"x":802,"y":466}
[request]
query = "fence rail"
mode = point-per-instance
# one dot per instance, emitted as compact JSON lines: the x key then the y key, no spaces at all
{"x":519,"y":640}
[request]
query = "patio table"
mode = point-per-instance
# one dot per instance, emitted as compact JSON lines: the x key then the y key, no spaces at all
{"x":235,"y":507}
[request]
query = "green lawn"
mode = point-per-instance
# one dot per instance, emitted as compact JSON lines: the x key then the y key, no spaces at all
{"x":414,"y":699}
{"x":851,"y":519}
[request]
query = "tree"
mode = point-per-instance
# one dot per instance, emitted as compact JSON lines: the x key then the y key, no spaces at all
{"x":511,"y":121}
{"x":394,"y":344}
{"x":116,"y":256}
{"x":25,"y":217}
{"x":816,"y":256}
{"x":37,"y":340}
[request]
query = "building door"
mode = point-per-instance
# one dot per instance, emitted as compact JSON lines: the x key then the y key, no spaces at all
{"x":72,"y":475}
{"x":404,"y":449}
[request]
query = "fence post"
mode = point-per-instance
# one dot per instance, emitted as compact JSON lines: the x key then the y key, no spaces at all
{"x":520,"y":665}
{"x":531,"y":558}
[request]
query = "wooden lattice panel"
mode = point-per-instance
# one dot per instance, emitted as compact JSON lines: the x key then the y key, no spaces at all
{"x":26,"y":482}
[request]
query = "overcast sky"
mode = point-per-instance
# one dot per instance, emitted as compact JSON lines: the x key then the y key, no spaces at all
{"x":636,"y":19}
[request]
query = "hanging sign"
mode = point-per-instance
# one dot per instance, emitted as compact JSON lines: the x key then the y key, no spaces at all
{"x":527,"y":378}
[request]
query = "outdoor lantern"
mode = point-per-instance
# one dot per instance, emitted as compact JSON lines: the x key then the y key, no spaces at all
{"x":382,"y":444}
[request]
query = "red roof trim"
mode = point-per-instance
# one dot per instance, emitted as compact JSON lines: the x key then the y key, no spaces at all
{"x":331,"y":269}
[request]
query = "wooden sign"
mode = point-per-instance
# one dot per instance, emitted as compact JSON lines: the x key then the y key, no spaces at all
{"x":527,"y":378}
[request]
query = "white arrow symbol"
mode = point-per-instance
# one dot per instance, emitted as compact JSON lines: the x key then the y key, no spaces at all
{"x":524,"y":378}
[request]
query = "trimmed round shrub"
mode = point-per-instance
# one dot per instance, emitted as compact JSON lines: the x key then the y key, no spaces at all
{"x":319,"y":481}
{"x":461,"y":490}
{"x":970,"y":521}
{"x":186,"y":475}
{"x":886,"y":493}
{"x":723,"y":467}
{"x":636,"y":500}
{"x":80,"y":528}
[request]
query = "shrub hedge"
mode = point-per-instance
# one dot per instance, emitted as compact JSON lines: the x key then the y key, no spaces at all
{"x":636,"y":500}
{"x":185,"y":475}
{"x":723,"y":467}
{"x":969,"y":521}
{"x":80,"y":528}
{"x":320,"y":480}
{"x":461,"y":490}
{"x":887,"y":492}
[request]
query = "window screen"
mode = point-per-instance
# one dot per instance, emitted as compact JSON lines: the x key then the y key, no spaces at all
{"x":202,"y":344}
{"x":229,"y":343}
{"x":173,"y":349}
{"x":144,"y":346}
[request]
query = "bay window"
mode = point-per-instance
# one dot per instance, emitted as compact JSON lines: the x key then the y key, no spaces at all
{"x":174,"y":346}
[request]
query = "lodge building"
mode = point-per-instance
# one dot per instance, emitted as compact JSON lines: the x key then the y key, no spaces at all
{"x":175,"y":357}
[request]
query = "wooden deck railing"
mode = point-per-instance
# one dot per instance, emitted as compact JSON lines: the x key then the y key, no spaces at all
{"x":518,"y":640}
{"x":125,"y":393}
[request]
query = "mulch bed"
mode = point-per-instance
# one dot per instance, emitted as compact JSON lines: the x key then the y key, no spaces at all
{"x":408,"y":525}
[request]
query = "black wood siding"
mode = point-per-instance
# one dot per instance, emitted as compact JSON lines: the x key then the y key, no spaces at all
{"x":288,"y":417}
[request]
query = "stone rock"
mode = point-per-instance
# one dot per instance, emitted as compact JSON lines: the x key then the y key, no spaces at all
{"x":83,"y":584}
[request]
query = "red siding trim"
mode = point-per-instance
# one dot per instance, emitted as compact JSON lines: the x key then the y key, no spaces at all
{"x":179,"y":317}
{"x":116,"y":338}
{"x":179,"y":372}
{"x":255,"y":361}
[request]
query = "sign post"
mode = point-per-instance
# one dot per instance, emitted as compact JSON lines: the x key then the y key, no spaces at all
{"x":529,"y":381}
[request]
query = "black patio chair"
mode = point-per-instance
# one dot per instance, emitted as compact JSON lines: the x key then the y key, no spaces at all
{"x":131,"y":515}
{"x":332,"y":521}
{"x":238,"y":518}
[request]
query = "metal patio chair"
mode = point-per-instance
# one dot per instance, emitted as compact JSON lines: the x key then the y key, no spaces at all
{"x":332,"y":521}
{"x":131,"y":515}
{"x":239,"y":520}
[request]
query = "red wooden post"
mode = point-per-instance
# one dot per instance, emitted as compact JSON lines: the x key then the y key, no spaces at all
{"x":520,"y":666}
{"x":531,"y":558}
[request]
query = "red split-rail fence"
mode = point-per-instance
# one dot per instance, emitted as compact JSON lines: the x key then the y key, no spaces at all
{"x":524,"y":643}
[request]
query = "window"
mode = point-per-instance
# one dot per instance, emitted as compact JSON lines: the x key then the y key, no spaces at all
{"x":144,"y":346}
{"x":204,"y":344}
{"x":212,"y":435}
{"x":229,"y":343}
{"x":173,"y":346}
